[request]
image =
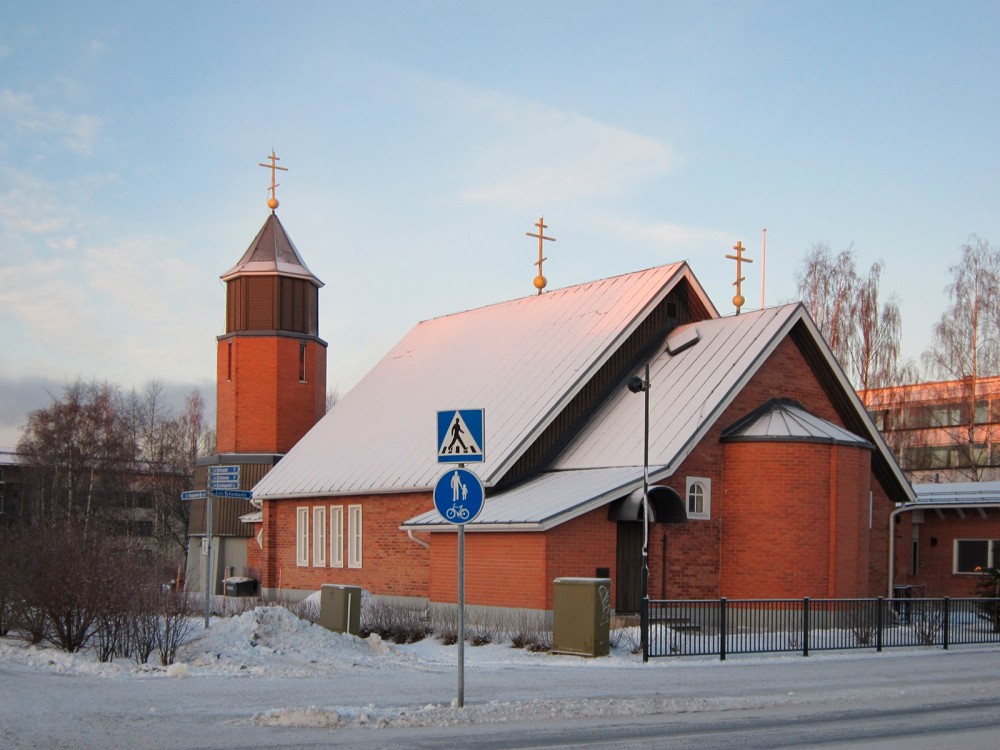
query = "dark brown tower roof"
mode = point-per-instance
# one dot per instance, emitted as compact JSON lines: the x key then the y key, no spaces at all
{"x":272,"y":253}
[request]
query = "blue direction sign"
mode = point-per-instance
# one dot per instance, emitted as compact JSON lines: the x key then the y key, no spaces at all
{"x":459,"y":496}
{"x":193,"y":495}
{"x":242,"y":494}
{"x":460,"y":436}
{"x":224,"y":472}
{"x":224,"y":484}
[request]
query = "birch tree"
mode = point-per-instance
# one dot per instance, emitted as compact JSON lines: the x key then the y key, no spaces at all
{"x":966,"y":348}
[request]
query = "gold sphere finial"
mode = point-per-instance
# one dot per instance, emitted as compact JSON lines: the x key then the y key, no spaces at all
{"x":272,"y":203}
{"x":738,"y":300}
{"x":540,"y":282}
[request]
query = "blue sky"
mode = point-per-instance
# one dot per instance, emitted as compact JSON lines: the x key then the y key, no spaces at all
{"x":423,"y":139}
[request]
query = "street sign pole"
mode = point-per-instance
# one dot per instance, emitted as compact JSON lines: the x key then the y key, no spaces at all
{"x":461,"y":615}
{"x":208,"y":546}
{"x":459,"y":496}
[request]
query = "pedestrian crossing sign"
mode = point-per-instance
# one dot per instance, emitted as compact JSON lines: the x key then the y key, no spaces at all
{"x":460,"y":436}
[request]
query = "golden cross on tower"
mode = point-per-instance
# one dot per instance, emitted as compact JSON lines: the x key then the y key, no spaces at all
{"x":739,"y":299}
{"x":272,"y":202}
{"x":540,"y":281}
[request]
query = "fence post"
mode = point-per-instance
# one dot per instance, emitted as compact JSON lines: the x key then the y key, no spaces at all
{"x":805,"y":626}
{"x":947,"y":616}
{"x":880,"y":604}
{"x":722,"y":629}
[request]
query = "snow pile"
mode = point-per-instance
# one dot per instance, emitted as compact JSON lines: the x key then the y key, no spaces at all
{"x":493,"y":712}
{"x":272,"y":641}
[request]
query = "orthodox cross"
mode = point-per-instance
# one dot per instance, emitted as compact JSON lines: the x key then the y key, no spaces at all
{"x":272,"y":202}
{"x":540,"y":280}
{"x":739,"y":299}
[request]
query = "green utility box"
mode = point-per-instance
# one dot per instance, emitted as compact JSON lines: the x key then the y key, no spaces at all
{"x":581,"y":616}
{"x":340,"y":608}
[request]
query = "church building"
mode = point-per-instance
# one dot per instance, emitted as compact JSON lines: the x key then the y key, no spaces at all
{"x":783,"y":485}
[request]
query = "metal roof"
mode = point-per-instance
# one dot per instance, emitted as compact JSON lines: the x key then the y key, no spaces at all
{"x":957,"y":493}
{"x":784,"y":419}
{"x":272,"y":253}
{"x":687,"y":393}
{"x":547,"y":500}
{"x":522,"y":361}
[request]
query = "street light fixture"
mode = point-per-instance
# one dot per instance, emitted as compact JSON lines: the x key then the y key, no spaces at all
{"x":641,"y":385}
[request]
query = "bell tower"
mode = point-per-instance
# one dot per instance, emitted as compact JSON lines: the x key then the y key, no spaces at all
{"x":271,"y":362}
{"x":270,"y":391}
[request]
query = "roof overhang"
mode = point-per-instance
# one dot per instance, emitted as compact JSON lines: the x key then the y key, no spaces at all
{"x":544,"y":502}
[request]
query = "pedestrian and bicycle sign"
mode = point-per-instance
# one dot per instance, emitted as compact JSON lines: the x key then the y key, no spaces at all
{"x":458,"y":496}
{"x":460,"y":436}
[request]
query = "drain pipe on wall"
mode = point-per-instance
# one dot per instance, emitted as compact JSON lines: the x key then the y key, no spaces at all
{"x":421,"y":542}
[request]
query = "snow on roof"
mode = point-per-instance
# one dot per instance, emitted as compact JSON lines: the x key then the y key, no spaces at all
{"x":521,"y":361}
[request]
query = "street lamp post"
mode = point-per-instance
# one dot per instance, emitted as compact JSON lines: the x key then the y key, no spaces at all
{"x":637,"y":384}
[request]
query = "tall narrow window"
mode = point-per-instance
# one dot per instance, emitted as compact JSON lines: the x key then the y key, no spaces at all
{"x":302,"y":362}
{"x":229,"y":361}
{"x":336,"y":536}
{"x":301,"y":536}
{"x":354,"y":536}
{"x":319,"y":537}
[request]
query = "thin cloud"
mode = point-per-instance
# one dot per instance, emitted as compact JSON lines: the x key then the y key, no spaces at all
{"x":20,"y":112}
{"x":535,"y":154}
{"x":668,"y":236}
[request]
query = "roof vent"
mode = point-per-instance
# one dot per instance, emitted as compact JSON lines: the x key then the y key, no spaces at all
{"x":682,"y":338}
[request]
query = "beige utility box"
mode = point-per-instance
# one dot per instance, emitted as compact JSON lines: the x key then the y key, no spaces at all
{"x":340,"y":608}
{"x":581,"y":616}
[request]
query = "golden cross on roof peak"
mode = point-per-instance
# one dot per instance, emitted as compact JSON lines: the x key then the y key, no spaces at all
{"x":272,"y":202}
{"x":540,"y":281}
{"x":739,"y":299}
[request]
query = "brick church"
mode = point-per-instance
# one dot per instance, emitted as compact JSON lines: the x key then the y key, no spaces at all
{"x":784,"y":484}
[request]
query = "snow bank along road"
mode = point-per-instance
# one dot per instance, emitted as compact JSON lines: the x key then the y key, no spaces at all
{"x":266,"y":679}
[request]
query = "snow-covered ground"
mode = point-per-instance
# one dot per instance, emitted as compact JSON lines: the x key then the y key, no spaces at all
{"x":266,"y":668}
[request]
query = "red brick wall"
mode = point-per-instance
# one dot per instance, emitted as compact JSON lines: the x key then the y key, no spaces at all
{"x":504,"y":570}
{"x":796,"y":521}
{"x":392,"y":564}
{"x":936,"y":562}
{"x":265,"y":408}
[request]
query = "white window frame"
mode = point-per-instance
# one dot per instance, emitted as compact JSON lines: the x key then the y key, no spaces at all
{"x":706,"y":506}
{"x":355,"y":536}
{"x":319,"y":537}
{"x":302,"y":537}
{"x":336,"y":536}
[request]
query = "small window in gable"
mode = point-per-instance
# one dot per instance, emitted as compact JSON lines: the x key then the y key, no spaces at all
{"x":699,"y":497}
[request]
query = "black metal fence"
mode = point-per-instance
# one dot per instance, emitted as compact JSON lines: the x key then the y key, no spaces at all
{"x":746,"y":626}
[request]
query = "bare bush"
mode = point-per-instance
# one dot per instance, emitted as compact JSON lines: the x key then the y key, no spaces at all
{"x":530,"y":630}
{"x":626,"y":639}
{"x":175,"y":624}
{"x":394,"y":622}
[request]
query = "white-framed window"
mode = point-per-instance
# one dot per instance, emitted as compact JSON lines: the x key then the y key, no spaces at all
{"x":354,"y":536}
{"x":336,"y":536}
{"x":301,"y":536}
{"x":698,"y":496}
{"x":319,"y":537}
{"x":976,"y":555}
